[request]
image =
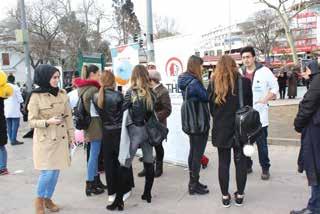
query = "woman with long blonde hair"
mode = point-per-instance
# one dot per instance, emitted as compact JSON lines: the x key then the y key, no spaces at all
{"x":139,"y":101}
{"x":190,"y":83}
{"x":224,"y":102}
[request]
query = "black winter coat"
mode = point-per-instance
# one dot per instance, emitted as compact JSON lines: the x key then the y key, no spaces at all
{"x":223,"y":117}
{"x":307,"y":122}
{"x":3,"y":125}
{"x":111,"y":114}
{"x":137,"y":107}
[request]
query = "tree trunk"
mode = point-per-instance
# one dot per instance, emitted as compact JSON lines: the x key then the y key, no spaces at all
{"x":285,"y":22}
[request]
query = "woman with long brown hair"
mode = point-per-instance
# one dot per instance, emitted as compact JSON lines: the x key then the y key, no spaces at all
{"x":108,"y":103}
{"x":190,"y":83}
{"x":224,"y":102}
{"x":87,"y":86}
{"x":139,"y":101}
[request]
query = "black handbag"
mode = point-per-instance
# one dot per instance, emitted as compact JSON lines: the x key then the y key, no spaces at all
{"x":156,"y":131}
{"x":247,"y":124}
{"x":81,"y":117}
{"x":195,"y":116}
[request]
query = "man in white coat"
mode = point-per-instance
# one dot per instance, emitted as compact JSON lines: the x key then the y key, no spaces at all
{"x":264,"y":88}
{"x":12,"y":111}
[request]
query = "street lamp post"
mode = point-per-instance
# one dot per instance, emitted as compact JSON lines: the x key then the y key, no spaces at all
{"x":25,"y":44}
{"x":150,"y":47}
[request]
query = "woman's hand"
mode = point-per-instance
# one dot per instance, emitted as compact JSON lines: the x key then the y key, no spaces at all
{"x":54,"y":121}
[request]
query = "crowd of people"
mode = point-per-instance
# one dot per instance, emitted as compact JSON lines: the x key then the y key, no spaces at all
{"x":117,"y":126}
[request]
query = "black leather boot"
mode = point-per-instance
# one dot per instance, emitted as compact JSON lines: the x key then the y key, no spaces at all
{"x":148,"y":182}
{"x":195,"y":188}
{"x":117,"y":204}
{"x":91,"y":188}
{"x":203,"y":186}
{"x":142,"y":173}
{"x":99,"y":183}
{"x":159,"y":169}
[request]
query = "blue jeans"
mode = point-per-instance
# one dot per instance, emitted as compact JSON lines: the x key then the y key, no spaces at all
{"x":13,"y":126}
{"x":47,"y":183}
{"x":262,"y":144}
{"x":93,"y":159}
{"x":3,"y":157}
{"x":314,"y":201}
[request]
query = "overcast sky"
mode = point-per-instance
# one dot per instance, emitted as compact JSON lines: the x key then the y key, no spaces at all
{"x":190,"y":15}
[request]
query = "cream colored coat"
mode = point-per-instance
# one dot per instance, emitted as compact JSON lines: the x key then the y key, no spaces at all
{"x":50,"y":144}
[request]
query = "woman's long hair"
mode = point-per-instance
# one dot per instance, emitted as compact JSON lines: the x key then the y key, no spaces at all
{"x":194,"y":66}
{"x":86,"y":70}
{"x":140,"y":81}
{"x":224,"y":78}
{"x":107,"y":80}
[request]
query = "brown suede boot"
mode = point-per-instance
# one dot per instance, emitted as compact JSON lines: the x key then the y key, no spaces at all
{"x":39,"y":205}
{"x":50,"y":205}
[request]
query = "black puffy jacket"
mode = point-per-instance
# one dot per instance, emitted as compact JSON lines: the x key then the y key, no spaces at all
{"x":111,"y":114}
{"x":137,"y":107}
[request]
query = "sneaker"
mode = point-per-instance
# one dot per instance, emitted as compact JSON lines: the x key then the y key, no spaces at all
{"x":303,"y":211}
{"x":238,"y":199}
{"x":265,"y":174}
{"x":126,"y":196}
{"x":14,"y":143}
{"x":4,"y":171}
{"x":226,"y":202}
{"x":111,"y":198}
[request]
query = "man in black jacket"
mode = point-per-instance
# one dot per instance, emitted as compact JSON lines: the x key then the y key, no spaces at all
{"x":307,"y":122}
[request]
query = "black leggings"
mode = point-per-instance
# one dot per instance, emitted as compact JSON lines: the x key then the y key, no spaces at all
{"x":159,"y":152}
{"x":197,"y":146}
{"x":224,"y":168}
{"x":110,"y":148}
{"x":282,"y":92}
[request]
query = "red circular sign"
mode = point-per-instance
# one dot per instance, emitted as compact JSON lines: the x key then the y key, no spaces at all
{"x":174,"y":67}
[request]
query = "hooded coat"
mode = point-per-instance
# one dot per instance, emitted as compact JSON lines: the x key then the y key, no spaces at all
{"x":307,"y":122}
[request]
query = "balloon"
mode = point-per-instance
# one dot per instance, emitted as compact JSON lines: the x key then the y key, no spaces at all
{"x":3,"y":78}
{"x":6,"y":91}
{"x":79,"y":136}
{"x":248,"y":150}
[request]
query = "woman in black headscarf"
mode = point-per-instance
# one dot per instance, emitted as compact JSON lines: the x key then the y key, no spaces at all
{"x":50,"y":116}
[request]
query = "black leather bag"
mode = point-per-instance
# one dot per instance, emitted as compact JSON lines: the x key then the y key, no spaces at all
{"x":82,"y":118}
{"x":156,"y":131}
{"x":247,"y":124}
{"x":195,"y":116}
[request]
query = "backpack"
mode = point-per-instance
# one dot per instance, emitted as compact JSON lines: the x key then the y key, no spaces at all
{"x":81,"y":117}
{"x":247,"y":122}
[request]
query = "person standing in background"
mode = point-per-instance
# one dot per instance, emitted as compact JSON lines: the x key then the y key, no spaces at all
{"x":162,"y":109}
{"x":12,"y":111}
{"x":282,"y":82}
{"x":292,"y":85}
{"x":5,"y":92}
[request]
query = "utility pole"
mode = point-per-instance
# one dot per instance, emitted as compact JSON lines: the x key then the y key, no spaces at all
{"x":229,"y":11}
{"x":150,"y":47}
{"x":25,"y":44}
